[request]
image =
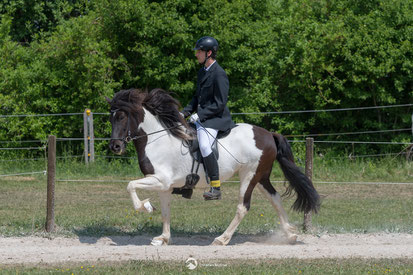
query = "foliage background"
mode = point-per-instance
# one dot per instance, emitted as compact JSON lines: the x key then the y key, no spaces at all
{"x":64,"y":56}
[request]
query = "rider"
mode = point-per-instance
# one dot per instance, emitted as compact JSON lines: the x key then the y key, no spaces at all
{"x":209,"y":108}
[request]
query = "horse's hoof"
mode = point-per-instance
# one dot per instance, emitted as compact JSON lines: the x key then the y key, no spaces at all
{"x":148,"y":206}
{"x":144,"y":207}
{"x":292,"y":239}
{"x":217,"y":242}
{"x":160,"y":240}
{"x":157,"y":242}
{"x":290,"y":228}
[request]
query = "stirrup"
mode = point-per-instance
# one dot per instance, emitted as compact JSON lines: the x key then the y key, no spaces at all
{"x":212,"y":194}
{"x":186,"y":193}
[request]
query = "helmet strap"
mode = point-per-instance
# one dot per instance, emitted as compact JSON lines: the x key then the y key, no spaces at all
{"x":206,"y":58}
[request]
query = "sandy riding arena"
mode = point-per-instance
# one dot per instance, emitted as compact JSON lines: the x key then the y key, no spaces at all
{"x":38,"y":250}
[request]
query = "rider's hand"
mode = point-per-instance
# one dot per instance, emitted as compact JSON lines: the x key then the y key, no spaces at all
{"x":193,"y":118}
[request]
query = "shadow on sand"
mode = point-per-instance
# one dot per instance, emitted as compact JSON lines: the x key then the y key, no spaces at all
{"x":115,"y":236}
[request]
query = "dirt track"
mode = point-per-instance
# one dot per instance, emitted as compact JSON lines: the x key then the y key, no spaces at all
{"x":37,"y":250}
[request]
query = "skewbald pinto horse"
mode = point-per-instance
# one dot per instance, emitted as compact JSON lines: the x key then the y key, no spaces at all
{"x":160,"y":134}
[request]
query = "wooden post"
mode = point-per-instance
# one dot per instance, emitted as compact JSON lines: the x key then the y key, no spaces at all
{"x":51,"y":177}
{"x":309,"y":154}
{"x":409,"y":152}
{"x":91,"y":137}
{"x":85,"y":136}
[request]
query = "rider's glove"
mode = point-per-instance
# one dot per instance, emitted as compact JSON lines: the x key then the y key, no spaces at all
{"x":193,"y":118}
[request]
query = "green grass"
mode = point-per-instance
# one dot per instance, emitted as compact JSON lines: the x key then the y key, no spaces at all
{"x":363,"y":170}
{"x":105,"y":208}
{"x":284,"y":266}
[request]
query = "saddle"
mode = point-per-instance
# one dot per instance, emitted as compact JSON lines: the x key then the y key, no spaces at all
{"x":196,"y":152}
{"x":193,"y":178}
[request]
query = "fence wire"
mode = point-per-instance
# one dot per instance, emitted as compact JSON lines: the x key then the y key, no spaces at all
{"x":242,"y":113}
{"x":25,"y":174}
{"x":236,"y":181}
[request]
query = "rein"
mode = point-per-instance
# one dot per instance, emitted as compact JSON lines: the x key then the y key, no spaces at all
{"x":129,"y":137}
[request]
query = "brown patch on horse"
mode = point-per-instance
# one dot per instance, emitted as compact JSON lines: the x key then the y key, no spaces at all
{"x":159,"y":103}
{"x":265,"y":142}
{"x":136,"y":117}
{"x":144,"y":162}
{"x":130,"y":102}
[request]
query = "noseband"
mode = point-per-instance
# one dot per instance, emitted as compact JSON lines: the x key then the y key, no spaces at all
{"x":129,"y":137}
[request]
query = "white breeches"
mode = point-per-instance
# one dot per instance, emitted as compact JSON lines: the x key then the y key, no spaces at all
{"x":206,"y":137}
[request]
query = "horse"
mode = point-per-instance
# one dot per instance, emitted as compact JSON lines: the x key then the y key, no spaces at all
{"x":160,"y":135}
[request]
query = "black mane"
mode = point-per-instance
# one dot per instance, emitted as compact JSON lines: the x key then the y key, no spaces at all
{"x":159,"y":102}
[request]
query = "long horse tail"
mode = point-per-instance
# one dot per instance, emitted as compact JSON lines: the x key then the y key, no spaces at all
{"x":307,"y":197}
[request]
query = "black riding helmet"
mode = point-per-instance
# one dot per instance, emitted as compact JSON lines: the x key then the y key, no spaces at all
{"x":207,"y":43}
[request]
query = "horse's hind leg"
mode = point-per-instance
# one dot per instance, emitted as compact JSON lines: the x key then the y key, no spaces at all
{"x":248,"y":182}
{"x":268,"y":190}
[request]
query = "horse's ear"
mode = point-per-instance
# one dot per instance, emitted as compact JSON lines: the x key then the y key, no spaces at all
{"x":108,"y":100}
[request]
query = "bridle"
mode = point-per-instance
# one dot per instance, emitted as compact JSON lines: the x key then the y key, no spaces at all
{"x":129,"y":137}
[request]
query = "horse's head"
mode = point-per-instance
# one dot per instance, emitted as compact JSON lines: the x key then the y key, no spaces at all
{"x":126,"y":113}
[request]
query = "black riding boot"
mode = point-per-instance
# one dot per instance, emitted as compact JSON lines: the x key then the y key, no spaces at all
{"x":212,"y":169}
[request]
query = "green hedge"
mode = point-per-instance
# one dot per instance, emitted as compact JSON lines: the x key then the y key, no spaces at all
{"x":279,"y":55}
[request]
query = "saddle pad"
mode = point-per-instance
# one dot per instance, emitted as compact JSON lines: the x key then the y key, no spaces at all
{"x":194,"y":145}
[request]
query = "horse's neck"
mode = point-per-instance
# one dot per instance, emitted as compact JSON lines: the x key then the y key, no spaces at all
{"x":159,"y":141}
{"x":150,"y":123}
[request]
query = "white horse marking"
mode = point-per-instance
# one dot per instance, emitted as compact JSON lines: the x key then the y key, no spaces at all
{"x":166,"y":164}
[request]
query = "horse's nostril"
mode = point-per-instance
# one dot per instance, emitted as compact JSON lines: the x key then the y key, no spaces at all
{"x":115,"y":147}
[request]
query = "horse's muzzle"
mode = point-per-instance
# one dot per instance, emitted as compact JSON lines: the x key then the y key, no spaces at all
{"x":117,"y":146}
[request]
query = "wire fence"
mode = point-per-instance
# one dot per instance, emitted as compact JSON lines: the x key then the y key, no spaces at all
{"x":242,"y":113}
{"x":43,"y":172}
{"x":237,"y":181}
{"x":87,"y":138}
{"x":13,"y":161}
{"x":72,"y":177}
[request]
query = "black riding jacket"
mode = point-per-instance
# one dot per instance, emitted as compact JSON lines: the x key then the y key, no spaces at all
{"x":210,"y":99}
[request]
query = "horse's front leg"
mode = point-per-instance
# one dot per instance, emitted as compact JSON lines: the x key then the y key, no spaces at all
{"x":149,"y":182}
{"x":165,"y":198}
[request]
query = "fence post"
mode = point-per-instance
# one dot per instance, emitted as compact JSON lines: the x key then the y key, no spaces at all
{"x":309,"y":154}
{"x":89,"y":137}
{"x":85,"y":136}
{"x":51,"y":178}
{"x":409,"y":152}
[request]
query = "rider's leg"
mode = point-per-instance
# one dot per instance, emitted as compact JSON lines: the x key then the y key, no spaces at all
{"x":212,"y":168}
{"x":206,"y":137}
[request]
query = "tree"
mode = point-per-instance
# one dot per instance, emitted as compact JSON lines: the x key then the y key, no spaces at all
{"x":279,"y":55}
